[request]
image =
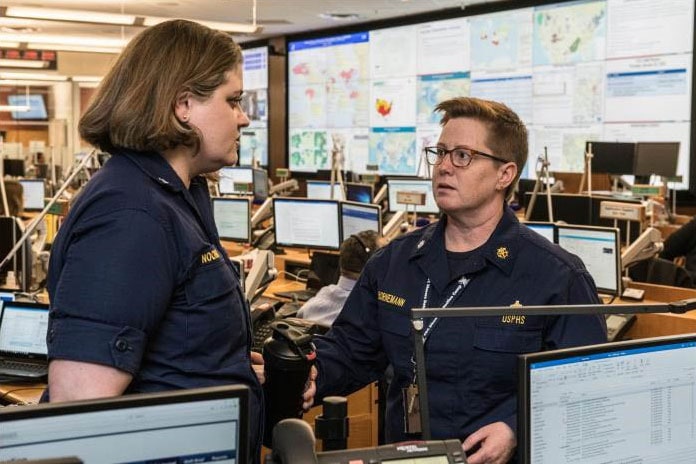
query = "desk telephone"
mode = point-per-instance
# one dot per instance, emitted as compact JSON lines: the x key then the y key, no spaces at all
{"x":261,"y":320}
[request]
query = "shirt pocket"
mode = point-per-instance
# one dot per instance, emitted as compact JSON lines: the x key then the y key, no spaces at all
{"x":395,"y":328}
{"x":215,"y":323}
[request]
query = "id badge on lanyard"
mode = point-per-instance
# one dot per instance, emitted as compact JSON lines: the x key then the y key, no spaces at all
{"x":412,"y":420}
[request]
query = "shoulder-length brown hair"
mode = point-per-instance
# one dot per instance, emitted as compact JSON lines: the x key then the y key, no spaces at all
{"x":134,"y":106}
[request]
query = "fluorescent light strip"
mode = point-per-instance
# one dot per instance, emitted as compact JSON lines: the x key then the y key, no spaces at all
{"x":32,"y":76}
{"x":39,"y":64}
{"x":73,"y":48}
{"x":69,"y":15}
{"x":15,"y":108}
{"x":241,"y":28}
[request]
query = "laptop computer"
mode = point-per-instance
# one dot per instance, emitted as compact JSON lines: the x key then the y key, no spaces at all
{"x":23,"y":349}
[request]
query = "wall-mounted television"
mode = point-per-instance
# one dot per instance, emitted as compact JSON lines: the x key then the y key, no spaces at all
{"x":35,"y":107}
{"x":573,"y":71}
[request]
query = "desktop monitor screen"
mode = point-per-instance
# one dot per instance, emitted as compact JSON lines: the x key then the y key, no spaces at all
{"x":260,"y":181}
{"x":232,"y":218}
{"x":321,"y":190}
{"x":567,"y":207}
{"x":656,"y":158}
{"x":599,"y":248}
{"x":198,"y":425}
{"x":13,"y":167}
{"x":236,"y":181}
{"x":357,"y":217}
{"x":612,"y":157}
{"x":301,"y":222}
{"x":33,"y":192}
{"x":23,"y":329}
{"x":411,"y":185}
{"x":36,"y":107}
{"x":626,"y":402}
{"x":545,"y":229}
{"x":362,"y":193}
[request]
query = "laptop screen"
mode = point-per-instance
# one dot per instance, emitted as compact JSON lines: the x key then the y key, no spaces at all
{"x":200,"y":425}
{"x":23,"y":328}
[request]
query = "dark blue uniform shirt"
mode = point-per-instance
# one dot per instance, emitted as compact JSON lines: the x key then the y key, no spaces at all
{"x":471,"y":363}
{"x":138,"y":281}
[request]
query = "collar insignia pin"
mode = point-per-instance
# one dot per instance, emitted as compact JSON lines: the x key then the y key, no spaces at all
{"x":502,"y":252}
{"x":420,"y":244}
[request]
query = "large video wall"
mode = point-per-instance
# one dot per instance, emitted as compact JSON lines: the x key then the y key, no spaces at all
{"x":614,"y":70}
{"x":254,"y":139}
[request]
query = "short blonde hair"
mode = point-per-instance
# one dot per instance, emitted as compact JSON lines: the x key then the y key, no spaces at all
{"x":507,"y":134}
{"x":134,"y":106}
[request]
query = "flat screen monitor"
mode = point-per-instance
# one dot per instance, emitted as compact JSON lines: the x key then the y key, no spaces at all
{"x":233,"y":218}
{"x":599,"y":248}
{"x":34,"y":191}
{"x":6,"y":294}
{"x":545,"y":229}
{"x":411,"y":185}
{"x":35,"y":104}
{"x":321,"y":190}
{"x":23,"y":329}
{"x":236,"y":181}
{"x":302,"y":222}
{"x":198,"y":425}
{"x":567,"y":207}
{"x":260,"y":181}
{"x":656,"y":158}
{"x":612,"y":157}
{"x":612,"y":403}
{"x":357,"y":217}
{"x":362,"y":193}
{"x":13,"y":167}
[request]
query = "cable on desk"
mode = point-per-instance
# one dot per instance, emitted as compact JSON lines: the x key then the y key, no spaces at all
{"x":297,"y":276}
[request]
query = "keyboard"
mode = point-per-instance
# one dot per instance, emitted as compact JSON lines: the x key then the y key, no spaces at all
{"x":22,"y":369}
{"x":299,"y":295}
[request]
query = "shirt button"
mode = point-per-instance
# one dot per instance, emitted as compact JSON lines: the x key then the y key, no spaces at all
{"x":121,"y":345}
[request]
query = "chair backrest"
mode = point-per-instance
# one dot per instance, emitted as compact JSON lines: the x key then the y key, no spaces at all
{"x":661,"y":271}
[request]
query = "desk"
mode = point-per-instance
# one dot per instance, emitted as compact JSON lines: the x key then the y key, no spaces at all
{"x":21,"y":392}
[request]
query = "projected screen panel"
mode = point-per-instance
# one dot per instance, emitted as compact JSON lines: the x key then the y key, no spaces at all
{"x":232,"y":218}
{"x":357,"y":217}
{"x":618,"y":402}
{"x":301,"y":222}
{"x":33,"y":194}
{"x":599,"y":249}
{"x":573,"y":71}
{"x":411,"y":185}
{"x":253,"y":144}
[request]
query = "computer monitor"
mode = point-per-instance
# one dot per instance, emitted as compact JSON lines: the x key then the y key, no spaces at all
{"x":13,"y":167}
{"x":599,"y":248}
{"x":34,"y":193}
{"x":321,"y":190}
{"x":236,"y":181}
{"x":411,"y":185}
{"x":361,"y":193}
{"x":545,"y":229}
{"x":260,"y":181}
{"x":6,"y":294}
{"x":567,"y":207}
{"x":233,"y":218}
{"x":656,"y":158}
{"x":357,"y":217}
{"x":617,"y":402}
{"x":612,"y":157}
{"x":198,"y":425}
{"x":36,"y":107}
{"x":302,"y":222}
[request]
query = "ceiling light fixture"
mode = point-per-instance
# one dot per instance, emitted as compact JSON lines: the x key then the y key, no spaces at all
{"x":81,"y":16}
{"x":9,"y":63}
{"x":32,"y":76}
{"x":15,"y":108}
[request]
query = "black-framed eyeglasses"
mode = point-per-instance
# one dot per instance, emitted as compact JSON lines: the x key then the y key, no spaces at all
{"x":461,"y":156}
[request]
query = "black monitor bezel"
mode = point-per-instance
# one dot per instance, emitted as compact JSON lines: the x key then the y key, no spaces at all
{"x":617,"y":259}
{"x":358,"y":204}
{"x":360,"y":185}
{"x":23,"y":304}
{"x":313,"y":200}
{"x":240,"y":199}
{"x":603,"y":152}
{"x":640,"y":157}
{"x":524,"y":361}
{"x":144,"y":399}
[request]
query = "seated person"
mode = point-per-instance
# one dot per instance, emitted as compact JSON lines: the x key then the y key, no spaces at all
{"x":682,"y":243}
{"x":356,"y":250}
{"x":15,"y":197}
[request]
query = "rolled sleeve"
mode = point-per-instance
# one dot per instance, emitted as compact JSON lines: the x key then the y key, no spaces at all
{"x":100,"y":343}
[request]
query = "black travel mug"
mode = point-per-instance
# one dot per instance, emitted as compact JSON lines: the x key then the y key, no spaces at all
{"x":288,"y":357}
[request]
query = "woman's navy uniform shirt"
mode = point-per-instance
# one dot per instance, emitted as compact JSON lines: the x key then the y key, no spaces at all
{"x":471,"y":363}
{"x":139,"y":281}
